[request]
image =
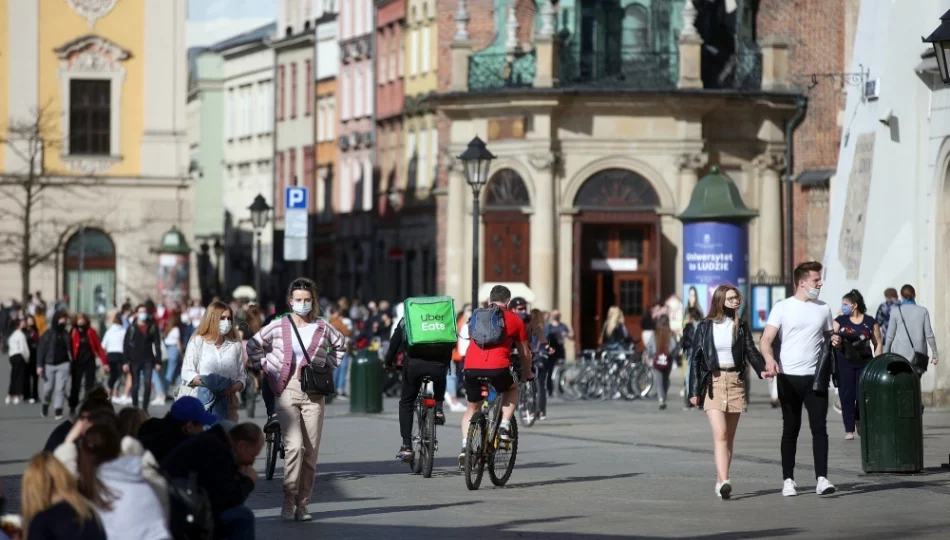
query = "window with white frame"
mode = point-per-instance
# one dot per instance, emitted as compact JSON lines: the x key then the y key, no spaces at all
{"x":344,"y":92}
{"x":358,"y":91}
{"x":265,"y":106}
{"x":331,"y":118}
{"x":249,"y":110}
{"x":414,"y":46}
{"x":368,"y":90}
{"x":321,"y":118}
{"x":425,"y":52}
{"x":382,"y":55}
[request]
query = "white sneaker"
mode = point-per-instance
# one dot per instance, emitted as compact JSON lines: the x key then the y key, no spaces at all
{"x":158,"y":400}
{"x":6,"y":401}
{"x":302,"y":514}
{"x":32,"y":401}
{"x":788,"y":490}
{"x":824,"y":486}
{"x":724,"y":490}
{"x":16,"y":400}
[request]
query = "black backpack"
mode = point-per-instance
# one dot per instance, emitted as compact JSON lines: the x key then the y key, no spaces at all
{"x":190,"y":514}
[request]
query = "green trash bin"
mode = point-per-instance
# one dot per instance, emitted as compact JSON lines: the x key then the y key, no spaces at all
{"x":892,"y":438}
{"x":366,"y":394}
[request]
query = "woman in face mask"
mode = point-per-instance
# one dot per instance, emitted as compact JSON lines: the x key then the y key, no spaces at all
{"x":281,"y":349}
{"x":722,"y":344}
{"x":860,"y":342}
{"x":213,"y":368}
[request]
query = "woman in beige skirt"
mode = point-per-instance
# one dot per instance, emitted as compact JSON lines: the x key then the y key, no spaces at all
{"x":722,"y":344}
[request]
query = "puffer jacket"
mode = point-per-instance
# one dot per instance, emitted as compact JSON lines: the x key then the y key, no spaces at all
{"x":704,"y":360}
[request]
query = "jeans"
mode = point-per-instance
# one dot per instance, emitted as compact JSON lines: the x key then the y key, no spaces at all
{"x":17,"y":366}
{"x":661,"y":379}
{"x":849,"y":391}
{"x":414,"y":371}
{"x":141,"y":374}
{"x":54,"y":385}
{"x":171,"y":378}
{"x":339,"y":374}
{"x":451,"y":381}
{"x":795,"y":391}
{"x":541,"y":383}
{"x":85,"y":371}
{"x":235,"y":523}
{"x":268,"y":396}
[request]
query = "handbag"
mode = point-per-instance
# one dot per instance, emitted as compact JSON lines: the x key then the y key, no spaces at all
{"x":661,"y":362}
{"x":314,"y":379}
{"x":920,"y":360}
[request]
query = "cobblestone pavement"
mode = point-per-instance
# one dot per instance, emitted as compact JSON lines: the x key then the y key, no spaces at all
{"x":593,"y":470}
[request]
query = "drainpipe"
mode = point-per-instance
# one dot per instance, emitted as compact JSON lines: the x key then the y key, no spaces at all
{"x":801,"y":106}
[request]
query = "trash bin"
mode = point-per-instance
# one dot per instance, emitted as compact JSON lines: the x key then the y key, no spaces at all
{"x":892,"y":439}
{"x":366,"y":394}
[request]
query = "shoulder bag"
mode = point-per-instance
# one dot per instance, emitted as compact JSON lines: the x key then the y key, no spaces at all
{"x":314,"y":379}
{"x":920,"y":360}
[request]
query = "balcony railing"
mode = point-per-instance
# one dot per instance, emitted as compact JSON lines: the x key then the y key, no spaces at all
{"x":621,"y":68}
{"x":743,"y":71}
{"x":487,"y":71}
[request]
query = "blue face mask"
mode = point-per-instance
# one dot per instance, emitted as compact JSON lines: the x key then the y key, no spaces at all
{"x":845,"y":309}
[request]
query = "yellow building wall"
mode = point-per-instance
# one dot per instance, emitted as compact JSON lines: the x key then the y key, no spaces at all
{"x":421,"y":83}
{"x":124,"y":26}
{"x":4,"y":75}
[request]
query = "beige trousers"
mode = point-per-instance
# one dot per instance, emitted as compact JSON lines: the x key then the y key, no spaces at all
{"x":301,"y":423}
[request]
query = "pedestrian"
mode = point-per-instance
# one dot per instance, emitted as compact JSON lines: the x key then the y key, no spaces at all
{"x":52,"y":507}
{"x":86,"y":349}
{"x":883,"y":315}
{"x":614,"y":335}
{"x":693,"y":317}
{"x":558,"y":333}
{"x":541,"y":352}
{"x":279,"y":350}
{"x":344,"y":326}
{"x":909,"y":332}
{"x":18,"y":350}
{"x":113,"y":342}
{"x":173,"y":344}
{"x":142,"y":352}
{"x":860,"y":342}
{"x":186,"y":418}
{"x":213,"y":367}
{"x":721,"y":347}
{"x":660,"y":350}
{"x":458,"y":357}
{"x":804,"y":324}
{"x":54,"y":357}
{"x":31,"y":387}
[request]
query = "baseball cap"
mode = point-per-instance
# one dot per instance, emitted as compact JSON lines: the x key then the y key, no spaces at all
{"x":517,"y":302}
{"x":190,"y":409}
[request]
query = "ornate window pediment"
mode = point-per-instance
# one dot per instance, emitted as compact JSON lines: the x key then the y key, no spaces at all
{"x":92,"y":10}
{"x":92,"y":58}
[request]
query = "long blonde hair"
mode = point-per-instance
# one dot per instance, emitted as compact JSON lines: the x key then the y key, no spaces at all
{"x":44,"y":478}
{"x":208,"y":329}
{"x":614,"y":317}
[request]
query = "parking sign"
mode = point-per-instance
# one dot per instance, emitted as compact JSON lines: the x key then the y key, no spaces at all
{"x":295,"y":198}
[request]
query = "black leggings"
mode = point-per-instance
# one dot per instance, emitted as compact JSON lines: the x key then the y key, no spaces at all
{"x":17,"y":367}
{"x":141,"y":374}
{"x":85,"y":371}
{"x":793,"y":392}
{"x":115,"y":368}
{"x":414,"y":371}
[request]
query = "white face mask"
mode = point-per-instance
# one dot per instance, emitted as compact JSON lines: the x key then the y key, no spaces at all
{"x":302,"y":308}
{"x":812,"y":292}
{"x":224,"y":326}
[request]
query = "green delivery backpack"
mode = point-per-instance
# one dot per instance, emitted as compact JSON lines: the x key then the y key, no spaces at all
{"x":430,"y":325}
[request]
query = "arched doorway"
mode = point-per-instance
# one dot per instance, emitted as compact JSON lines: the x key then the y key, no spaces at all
{"x":507,"y":229}
{"x":89,"y":271}
{"x":616,"y":251}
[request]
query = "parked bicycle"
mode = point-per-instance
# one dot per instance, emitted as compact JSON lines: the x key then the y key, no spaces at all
{"x":606,"y":375}
{"x":528,"y":397}
{"x":424,"y":441}
{"x":485,"y":446}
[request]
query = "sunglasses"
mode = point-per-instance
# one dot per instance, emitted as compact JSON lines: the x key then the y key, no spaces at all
{"x":300,"y":284}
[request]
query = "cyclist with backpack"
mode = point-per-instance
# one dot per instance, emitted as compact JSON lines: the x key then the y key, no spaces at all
{"x":494,"y":330}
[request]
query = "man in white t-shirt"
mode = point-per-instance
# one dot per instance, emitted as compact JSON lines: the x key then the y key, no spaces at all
{"x":802,"y":323}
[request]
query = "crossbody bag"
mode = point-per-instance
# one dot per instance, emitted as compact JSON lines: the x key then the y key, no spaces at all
{"x":921,"y":360}
{"x":315,"y":379}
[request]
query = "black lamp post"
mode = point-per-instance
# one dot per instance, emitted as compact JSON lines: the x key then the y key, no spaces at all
{"x":940,"y":39}
{"x":260,"y":211}
{"x":218,"y":251}
{"x":477,"y":160}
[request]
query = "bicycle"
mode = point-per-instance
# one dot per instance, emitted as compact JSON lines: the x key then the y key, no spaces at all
{"x":424,"y":441}
{"x":528,"y":399}
{"x":274,"y":442}
{"x":485,"y":445}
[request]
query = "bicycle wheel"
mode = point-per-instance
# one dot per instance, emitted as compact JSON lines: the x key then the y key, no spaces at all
{"x":417,"y":434}
{"x":427,"y":444}
{"x":502,"y":459}
{"x":270,"y":455}
{"x":528,"y":403}
{"x":566,"y":379}
{"x":474,"y":452}
{"x":641,"y":383}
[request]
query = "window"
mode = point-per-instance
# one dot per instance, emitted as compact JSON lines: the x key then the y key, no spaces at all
{"x":293,"y":90}
{"x":281,"y":184}
{"x":368,"y":90}
{"x":229,"y":107}
{"x":281,"y":86}
{"x":321,"y":118}
{"x":344,"y":92}
{"x":265,"y":106}
{"x":636,"y":29}
{"x":395,"y":54}
{"x":382,"y":53}
{"x":90,"y":117}
{"x":308,"y":99}
{"x":413,"y":48}
{"x":423,"y":163}
{"x":292,"y":167}
{"x":308,"y":174}
{"x":331,"y":118}
{"x":433,"y":154}
{"x":426,"y":53}
{"x":357,"y":90}
{"x":246,"y":97}
{"x":411,"y":161}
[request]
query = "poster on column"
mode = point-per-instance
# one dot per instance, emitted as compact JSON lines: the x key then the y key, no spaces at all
{"x":714,"y":254}
{"x":173,"y":270}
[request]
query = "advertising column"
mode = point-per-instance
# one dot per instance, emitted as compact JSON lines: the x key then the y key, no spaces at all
{"x":714,"y":254}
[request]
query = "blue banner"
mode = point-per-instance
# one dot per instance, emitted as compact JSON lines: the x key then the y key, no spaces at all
{"x":714,"y":254}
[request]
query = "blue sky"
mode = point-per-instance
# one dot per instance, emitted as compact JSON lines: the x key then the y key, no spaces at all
{"x":210,"y":21}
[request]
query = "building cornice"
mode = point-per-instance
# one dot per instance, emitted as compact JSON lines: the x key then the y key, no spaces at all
{"x":305,"y":38}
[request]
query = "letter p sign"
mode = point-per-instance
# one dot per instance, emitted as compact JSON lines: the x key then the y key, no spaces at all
{"x":295,"y":198}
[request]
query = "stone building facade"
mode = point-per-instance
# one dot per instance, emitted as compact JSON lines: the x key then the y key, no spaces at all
{"x":327,"y":153}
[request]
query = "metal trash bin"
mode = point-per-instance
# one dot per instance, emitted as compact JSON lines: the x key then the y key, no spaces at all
{"x":892,"y":438}
{"x":366,"y":393}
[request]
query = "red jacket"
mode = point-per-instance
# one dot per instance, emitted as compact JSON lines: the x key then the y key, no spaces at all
{"x":93,"y":337}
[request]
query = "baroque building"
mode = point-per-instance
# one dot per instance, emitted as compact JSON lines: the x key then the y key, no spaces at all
{"x":92,"y":107}
{"x":603,"y":115}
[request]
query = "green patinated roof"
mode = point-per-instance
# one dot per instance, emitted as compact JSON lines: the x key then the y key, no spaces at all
{"x":716,"y":198}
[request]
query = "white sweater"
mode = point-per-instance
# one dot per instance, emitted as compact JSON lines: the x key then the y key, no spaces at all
{"x":18,"y":344}
{"x":114,"y":339}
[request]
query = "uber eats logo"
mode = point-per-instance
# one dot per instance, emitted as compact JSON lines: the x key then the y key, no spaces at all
{"x":433,"y":322}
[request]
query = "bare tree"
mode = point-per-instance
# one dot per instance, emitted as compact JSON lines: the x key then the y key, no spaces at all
{"x":33,"y":226}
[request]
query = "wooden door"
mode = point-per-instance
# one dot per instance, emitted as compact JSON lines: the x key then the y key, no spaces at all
{"x":632,"y":293}
{"x":507,"y":247}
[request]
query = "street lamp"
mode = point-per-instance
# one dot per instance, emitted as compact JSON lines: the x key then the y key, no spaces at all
{"x":218,"y":251}
{"x":940,"y":39}
{"x":259,"y":214}
{"x":477,"y":160}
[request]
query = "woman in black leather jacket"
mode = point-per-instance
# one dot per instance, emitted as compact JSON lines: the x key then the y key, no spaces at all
{"x":722,"y":344}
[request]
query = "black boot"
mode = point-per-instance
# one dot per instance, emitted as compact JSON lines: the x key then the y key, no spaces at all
{"x":45,"y":412}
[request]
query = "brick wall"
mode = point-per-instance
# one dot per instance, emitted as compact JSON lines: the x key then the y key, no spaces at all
{"x":815,"y":31}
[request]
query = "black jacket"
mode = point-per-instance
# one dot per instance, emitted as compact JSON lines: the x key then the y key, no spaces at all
{"x":398,"y":342}
{"x":827,"y":368}
{"x":704,"y":360}
{"x":162,"y":435}
{"x":142,"y":349}
{"x":46,"y":349}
